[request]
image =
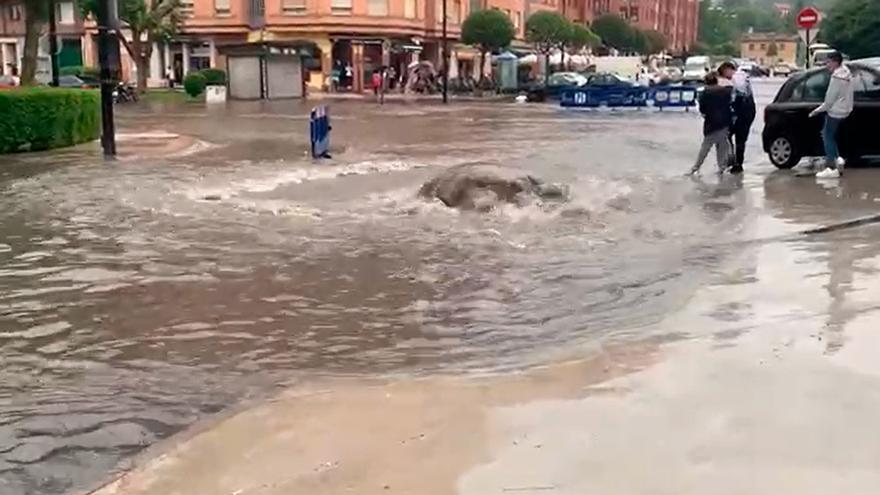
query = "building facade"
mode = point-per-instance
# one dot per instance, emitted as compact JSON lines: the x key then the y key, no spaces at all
{"x":768,"y":49}
{"x":351,"y":37}
{"x":69,"y":27}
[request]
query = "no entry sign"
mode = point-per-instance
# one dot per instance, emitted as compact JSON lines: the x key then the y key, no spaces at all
{"x":808,"y":18}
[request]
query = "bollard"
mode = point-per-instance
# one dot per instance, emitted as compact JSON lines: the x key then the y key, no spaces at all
{"x":319,"y":132}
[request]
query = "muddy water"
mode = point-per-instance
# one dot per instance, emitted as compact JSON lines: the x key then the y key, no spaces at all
{"x":130,"y":305}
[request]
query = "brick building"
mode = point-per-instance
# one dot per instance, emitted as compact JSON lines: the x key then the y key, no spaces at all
{"x":356,"y":34}
{"x":12,"y":28}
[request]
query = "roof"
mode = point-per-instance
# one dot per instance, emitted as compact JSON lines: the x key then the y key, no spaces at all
{"x":778,"y":37}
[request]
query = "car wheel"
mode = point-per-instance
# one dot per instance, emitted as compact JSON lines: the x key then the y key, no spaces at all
{"x":784,"y":154}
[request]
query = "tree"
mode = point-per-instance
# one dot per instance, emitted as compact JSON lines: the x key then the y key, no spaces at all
{"x":579,"y":37}
{"x":547,"y":30}
{"x":488,"y":30}
{"x":853,"y":27}
{"x":35,"y":14}
{"x":614,"y":31}
{"x":638,"y":41}
{"x":148,"y":21}
{"x":772,"y":50}
{"x":656,"y":42}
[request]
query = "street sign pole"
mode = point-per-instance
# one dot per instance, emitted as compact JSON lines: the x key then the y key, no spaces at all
{"x":809,"y":61}
{"x":108,"y":60}
{"x":53,"y":43}
{"x":807,"y":19}
{"x":445,"y":58}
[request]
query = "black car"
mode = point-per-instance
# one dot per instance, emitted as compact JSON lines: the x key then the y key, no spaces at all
{"x":556,"y":83}
{"x":790,"y":134}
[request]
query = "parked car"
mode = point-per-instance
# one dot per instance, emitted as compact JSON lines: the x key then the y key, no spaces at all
{"x":696,"y":68}
{"x":555,"y":85}
{"x":77,"y":82}
{"x":790,"y":134}
{"x":7,"y":82}
{"x":781,"y":70}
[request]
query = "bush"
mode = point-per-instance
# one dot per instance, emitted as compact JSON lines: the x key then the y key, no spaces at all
{"x":214,"y":77}
{"x":78,"y":70}
{"x":44,"y":118}
{"x":194,"y":84}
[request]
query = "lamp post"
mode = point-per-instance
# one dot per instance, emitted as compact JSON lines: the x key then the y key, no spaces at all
{"x":53,"y":43}
{"x":445,"y":58}
{"x":108,"y":60}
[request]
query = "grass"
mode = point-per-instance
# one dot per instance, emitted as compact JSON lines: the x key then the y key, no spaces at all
{"x":170,"y":96}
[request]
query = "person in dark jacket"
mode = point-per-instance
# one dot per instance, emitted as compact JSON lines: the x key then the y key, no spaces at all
{"x":744,"y":111}
{"x":717,"y":119}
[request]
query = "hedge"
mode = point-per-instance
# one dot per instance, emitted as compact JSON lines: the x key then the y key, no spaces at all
{"x":214,"y":77}
{"x":44,"y":118}
{"x":194,"y":84}
{"x":78,"y":70}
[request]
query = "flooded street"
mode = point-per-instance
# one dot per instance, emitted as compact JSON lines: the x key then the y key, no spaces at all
{"x":139,"y":296}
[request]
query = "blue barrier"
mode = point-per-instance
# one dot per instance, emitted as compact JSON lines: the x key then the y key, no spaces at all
{"x":629,"y":96}
{"x":319,"y":132}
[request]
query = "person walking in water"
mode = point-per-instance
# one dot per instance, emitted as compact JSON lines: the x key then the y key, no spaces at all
{"x":837,"y":106}
{"x":744,"y":111}
{"x":717,"y":117}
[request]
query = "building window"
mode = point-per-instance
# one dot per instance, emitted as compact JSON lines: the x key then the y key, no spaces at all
{"x":340,"y":7}
{"x":456,"y":11}
{"x":409,"y":9}
{"x":15,"y":12}
{"x":186,"y":8}
{"x":377,"y":7}
{"x":517,"y":20}
{"x":763,"y":46}
{"x":634,"y":14}
{"x":221,"y":7}
{"x":64,"y":12}
{"x":751,"y":46}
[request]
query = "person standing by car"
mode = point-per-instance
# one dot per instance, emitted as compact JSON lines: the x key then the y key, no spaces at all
{"x":717,"y":116}
{"x":837,"y":106}
{"x":744,"y":111}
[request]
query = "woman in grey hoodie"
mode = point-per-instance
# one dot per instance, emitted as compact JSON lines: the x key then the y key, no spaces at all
{"x":837,"y":106}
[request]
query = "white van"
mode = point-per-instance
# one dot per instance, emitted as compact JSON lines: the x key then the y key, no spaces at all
{"x":696,"y":68}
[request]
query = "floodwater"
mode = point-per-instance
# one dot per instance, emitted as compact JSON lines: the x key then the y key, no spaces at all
{"x":131,"y":305}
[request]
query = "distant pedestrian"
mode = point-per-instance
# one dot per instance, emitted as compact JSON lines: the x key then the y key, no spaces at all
{"x":376,"y":81}
{"x":717,"y":118}
{"x":16,"y":80}
{"x":838,"y":105}
{"x":744,"y":111}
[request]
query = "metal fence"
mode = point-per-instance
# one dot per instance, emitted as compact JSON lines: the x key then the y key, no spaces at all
{"x":630,"y":96}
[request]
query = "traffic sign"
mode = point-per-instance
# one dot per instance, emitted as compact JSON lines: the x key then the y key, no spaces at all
{"x":808,"y":18}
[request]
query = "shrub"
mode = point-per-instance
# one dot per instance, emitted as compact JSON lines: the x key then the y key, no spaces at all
{"x":214,"y":77}
{"x":194,"y":84}
{"x":78,"y":70}
{"x":45,"y":118}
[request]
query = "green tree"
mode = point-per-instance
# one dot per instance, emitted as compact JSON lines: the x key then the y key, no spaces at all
{"x":772,"y":50}
{"x":656,"y":42}
{"x":614,"y":31}
{"x":547,"y":31}
{"x":638,"y":41}
{"x":148,"y":21}
{"x":35,"y":14}
{"x":580,"y":37}
{"x":488,"y":30}
{"x":853,"y":27}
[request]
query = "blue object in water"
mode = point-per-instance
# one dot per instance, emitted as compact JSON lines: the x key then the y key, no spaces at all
{"x":319,"y":132}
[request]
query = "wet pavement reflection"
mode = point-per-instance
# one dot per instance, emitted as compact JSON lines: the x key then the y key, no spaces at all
{"x":138,"y":296}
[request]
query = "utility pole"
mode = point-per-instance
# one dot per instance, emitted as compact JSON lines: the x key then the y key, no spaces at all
{"x":53,"y":43}
{"x":446,"y":59}
{"x":108,"y":59}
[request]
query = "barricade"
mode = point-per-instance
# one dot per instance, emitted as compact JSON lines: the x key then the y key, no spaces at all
{"x":629,"y":96}
{"x":319,"y":132}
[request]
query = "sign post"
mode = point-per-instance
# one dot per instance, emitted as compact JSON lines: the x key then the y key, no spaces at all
{"x":807,"y":20}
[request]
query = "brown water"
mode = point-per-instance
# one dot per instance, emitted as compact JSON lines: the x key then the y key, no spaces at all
{"x":130,"y":306}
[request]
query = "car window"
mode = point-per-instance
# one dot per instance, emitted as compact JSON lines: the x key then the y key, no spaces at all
{"x":816,"y":86}
{"x":866,"y":85}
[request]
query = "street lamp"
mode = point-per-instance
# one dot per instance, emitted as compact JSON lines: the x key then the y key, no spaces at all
{"x":108,"y":60}
{"x":53,"y":44}
{"x":445,"y":58}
